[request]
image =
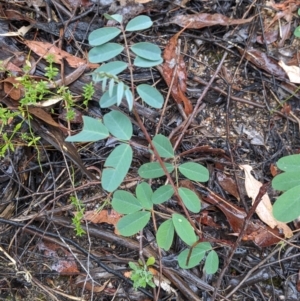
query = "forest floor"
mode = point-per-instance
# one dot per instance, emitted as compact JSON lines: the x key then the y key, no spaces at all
{"x":231,"y":108}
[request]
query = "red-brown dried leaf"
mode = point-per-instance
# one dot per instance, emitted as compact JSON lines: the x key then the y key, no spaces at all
{"x":46,"y":117}
{"x":261,"y":235}
{"x":285,"y":4}
{"x":86,"y":3}
{"x":104,"y":216}
{"x":44,"y":48}
{"x":262,"y":61}
{"x":206,"y":219}
{"x":228,"y":184}
{"x":63,"y":263}
{"x":286,"y":109}
{"x":273,"y":170}
{"x":13,"y":88}
{"x":204,"y":20}
{"x":178,"y":89}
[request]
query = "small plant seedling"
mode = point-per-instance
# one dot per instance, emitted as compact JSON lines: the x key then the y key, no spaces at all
{"x":140,"y":274}
{"x":138,"y":209}
{"x":77,"y":219}
{"x":35,"y":91}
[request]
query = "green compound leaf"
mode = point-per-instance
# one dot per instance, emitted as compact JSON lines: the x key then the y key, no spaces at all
{"x":104,"y":52}
{"x":184,"y":229}
{"x":289,"y":163}
{"x":165,"y":235}
{"x":163,"y":146}
{"x":93,"y":130}
{"x":212,"y":262}
{"x":146,"y":50}
{"x":144,"y":193}
{"x":115,"y":17}
{"x":162,"y":194}
{"x":287,"y":206}
{"x":106,"y":100}
{"x":286,"y":181}
{"x":150,"y":95}
{"x":113,"y":68}
{"x":129,"y":98}
{"x":139,"y":23}
{"x":103,"y":35}
{"x":190,"y":199}
{"x":297,"y":32}
{"x":132,"y":223}
{"x":117,"y":165}
{"x":143,"y":63}
{"x":194,"y":171}
{"x":153,"y":170}
{"x":197,"y":254}
{"x":118,"y":124}
{"x":124,"y":202}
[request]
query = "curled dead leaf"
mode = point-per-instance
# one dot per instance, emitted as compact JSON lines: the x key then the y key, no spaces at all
{"x":174,"y":73}
{"x":264,"y":208}
{"x":293,"y":72}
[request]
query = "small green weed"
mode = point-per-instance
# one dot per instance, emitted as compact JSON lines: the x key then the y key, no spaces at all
{"x":140,"y":275}
{"x":35,"y":91}
{"x":77,"y":219}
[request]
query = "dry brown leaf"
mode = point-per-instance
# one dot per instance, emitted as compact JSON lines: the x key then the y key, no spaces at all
{"x":46,"y":117}
{"x":264,"y":208}
{"x":262,"y":235}
{"x":293,"y":72}
{"x":205,"y":20}
{"x":176,"y":77}
{"x":104,"y":216}
{"x":263,"y":61}
{"x":228,"y":184}
{"x":13,"y":88}
{"x":64,"y":262}
{"x":44,"y":48}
